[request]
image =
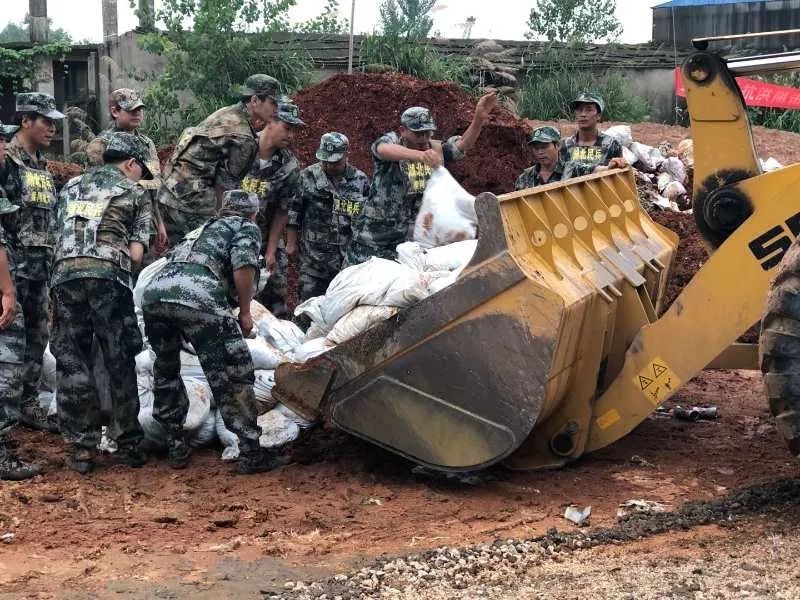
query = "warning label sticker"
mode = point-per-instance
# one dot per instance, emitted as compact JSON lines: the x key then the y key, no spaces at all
{"x":657,"y":381}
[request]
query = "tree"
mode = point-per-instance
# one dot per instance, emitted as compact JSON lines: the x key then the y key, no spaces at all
{"x":406,"y":18}
{"x":327,"y":21}
{"x":574,"y":21}
{"x":20,"y":32}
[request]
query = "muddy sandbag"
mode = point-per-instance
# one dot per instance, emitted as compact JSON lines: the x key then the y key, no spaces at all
{"x":262,"y":387}
{"x":280,"y":334}
{"x":447,"y":213}
{"x":265,"y":356}
{"x":308,"y":350}
{"x":228,"y":439}
{"x":358,"y":320}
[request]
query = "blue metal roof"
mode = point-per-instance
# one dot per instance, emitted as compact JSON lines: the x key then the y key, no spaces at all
{"x":677,"y":3}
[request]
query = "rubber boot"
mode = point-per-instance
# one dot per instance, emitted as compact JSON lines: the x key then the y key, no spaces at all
{"x":14,"y":469}
{"x":34,"y":416}
{"x":255,"y":459}
{"x":179,"y":452}
{"x":131,"y":456}
{"x":81,"y":460}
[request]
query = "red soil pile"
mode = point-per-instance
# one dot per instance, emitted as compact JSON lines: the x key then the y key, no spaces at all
{"x":365,"y":106}
{"x":62,"y":172}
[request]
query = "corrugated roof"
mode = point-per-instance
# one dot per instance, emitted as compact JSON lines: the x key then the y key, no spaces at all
{"x":677,"y":3}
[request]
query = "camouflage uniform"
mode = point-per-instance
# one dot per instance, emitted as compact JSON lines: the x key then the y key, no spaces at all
{"x":388,"y":215}
{"x":531,"y":177}
{"x":217,"y":153}
{"x":192,"y":298}
{"x":582,"y":160}
{"x":30,"y":186}
{"x":98,"y":216}
{"x":323,"y":211}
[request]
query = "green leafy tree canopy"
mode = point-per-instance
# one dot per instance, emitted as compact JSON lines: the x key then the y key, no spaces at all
{"x":329,"y":20}
{"x":406,"y":18}
{"x":20,"y":32}
{"x":574,"y":21}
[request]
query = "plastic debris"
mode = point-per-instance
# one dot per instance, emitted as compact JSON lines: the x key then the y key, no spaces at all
{"x":578,"y":516}
{"x":695,"y":413}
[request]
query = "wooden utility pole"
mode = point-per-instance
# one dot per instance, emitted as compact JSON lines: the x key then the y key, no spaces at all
{"x":352,"y":24}
{"x":38,"y":14}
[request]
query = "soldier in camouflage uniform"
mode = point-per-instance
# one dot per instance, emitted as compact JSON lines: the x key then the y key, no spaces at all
{"x":127,"y":111}
{"x":211,"y":270}
{"x":12,"y":336}
{"x":404,"y":162}
{"x":589,"y":150}
{"x":30,"y":186}
{"x":275,"y":179}
{"x":214,"y":157}
{"x":332,"y":192}
{"x":102,"y":228}
{"x":547,"y":167}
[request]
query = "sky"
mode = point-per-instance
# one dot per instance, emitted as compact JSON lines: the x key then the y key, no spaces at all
{"x":498,"y":19}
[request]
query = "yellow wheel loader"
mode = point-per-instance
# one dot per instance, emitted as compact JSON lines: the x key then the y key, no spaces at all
{"x":550,"y":344}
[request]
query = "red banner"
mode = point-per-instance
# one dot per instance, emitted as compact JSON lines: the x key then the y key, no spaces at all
{"x":756,"y":93}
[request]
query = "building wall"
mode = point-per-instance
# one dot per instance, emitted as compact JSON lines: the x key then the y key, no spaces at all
{"x":727,"y":19}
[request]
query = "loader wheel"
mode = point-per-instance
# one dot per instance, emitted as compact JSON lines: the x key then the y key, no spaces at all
{"x":780,"y":348}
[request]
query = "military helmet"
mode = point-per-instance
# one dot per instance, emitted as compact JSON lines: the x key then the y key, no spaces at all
{"x":261,"y":85}
{"x":123,"y":145}
{"x":418,"y":118}
{"x":588,"y":98}
{"x":545,"y":135}
{"x":288,"y":112}
{"x":6,"y":131}
{"x":332,"y":147}
{"x":38,"y":102}
{"x":240,"y":201}
{"x":125,"y":98}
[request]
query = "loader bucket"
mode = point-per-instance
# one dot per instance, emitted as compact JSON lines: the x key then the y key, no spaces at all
{"x":506,"y":362}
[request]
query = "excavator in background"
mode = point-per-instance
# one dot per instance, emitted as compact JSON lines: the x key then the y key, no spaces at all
{"x":552,"y":343}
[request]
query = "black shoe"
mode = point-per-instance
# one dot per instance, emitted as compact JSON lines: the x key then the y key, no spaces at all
{"x":178,"y":452}
{"x":81,"y":460}
{"x":34,"y":416}
{"x":260,"y":461}
{"x":132,"y":456}
{"x":13,"y":469}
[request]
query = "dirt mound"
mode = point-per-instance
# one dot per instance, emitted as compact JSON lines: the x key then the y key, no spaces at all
{"x":691,"y":252}
{"x":364,"y":106}
{"x":62,"y":172}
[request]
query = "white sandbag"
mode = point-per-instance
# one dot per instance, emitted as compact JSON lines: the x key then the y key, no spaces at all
{"x":442,"y":280}
{"x":411,"y":254}
{"x":282,"y":335}
{"x":293,"y":416}
{"x":770,"y":165}
{"x":375,"y":282}
{"x":358,"y":321}
{"x":447,"y":213}
{"x":265,"y":356}
{"x":308,"y":350}
{"x":190,"y":366}
{"x":277,"y":429}
{"x":48,"y":379}
{"x":314,"y":332}
{"x":146,"y":276}
{"x":685,"y":152}
{"x":45,"y":399}
{"x":650,"y":157}
{"x":621,"y":133}
{"x":452,"y":257}
{"x":200,"y":399}
{"x":673,"y":191}
{"x":674,"y":168}
{"x":262,"y":387}
{"x":154,"y":434}
{"x":628,"y":155}
{"x":228,"y":439}
{"x":206,"y":433}
{"x":144,"y":362}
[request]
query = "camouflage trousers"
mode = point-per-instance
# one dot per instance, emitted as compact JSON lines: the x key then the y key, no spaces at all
{"x":358,"y":253}
{"x":178,"y":223}
{"x":318,"y":266}
{"x":12,"y":355}
{"x":225,"y":359}
{"x":35,"y":300}
{"x":99,"y":309}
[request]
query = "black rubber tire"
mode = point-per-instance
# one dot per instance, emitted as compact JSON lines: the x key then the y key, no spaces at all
{"x":779,"y":348}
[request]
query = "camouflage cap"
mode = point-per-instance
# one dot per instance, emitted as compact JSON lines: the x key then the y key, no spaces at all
{"x":241,"y":202}
{"x":261,"y":85}
{"x":125,"y":98}
{"x":38,"y":102}
{"x":6,"y":206}
{"x":127,"y":145}
{"x":332,"y":147}
{"x":288,"y":112}
{"x":545,"y":135}
{"x":418,"y":118}
{"x":6,"y":131}
{"x":588,"y":98}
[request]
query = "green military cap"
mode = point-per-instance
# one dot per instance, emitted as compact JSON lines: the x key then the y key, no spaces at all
{"x":6,"y":131}
{"x":418,"y":118}
{"x":288,"y":112}
{"x":332,"y":147}
{"x":546,"y":135}
{"x":239,"y":201}
{"x":127,"y":145}
{"x":125,"y":98}
{"x":38,"y":102}
{"x":261,"y":85}
{"x":589,"y":98}
{"x":6,"y":206}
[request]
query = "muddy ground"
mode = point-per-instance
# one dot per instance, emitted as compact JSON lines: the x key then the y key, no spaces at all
{"x":205,"y":532}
